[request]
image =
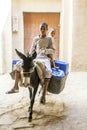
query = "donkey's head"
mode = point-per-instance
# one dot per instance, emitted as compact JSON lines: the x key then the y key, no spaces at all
{"x":28,"y":64}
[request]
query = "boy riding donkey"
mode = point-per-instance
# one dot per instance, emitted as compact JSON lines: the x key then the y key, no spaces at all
{"x":43,"y":46}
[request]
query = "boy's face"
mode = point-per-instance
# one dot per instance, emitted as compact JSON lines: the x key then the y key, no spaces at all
{"x":43,"y":30}
{"x":53,"y":33}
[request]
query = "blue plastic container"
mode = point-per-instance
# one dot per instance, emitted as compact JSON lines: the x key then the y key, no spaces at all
{"x":58,"y":73}
{"x":14,"y":63}
{"x":62,"y":65}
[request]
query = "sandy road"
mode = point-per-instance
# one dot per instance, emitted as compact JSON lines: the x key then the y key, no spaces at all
{"x":66,"y":111}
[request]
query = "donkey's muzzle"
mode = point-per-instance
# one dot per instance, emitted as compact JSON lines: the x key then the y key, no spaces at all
{"x":26,"y":81}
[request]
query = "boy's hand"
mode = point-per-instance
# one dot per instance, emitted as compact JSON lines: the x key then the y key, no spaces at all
{"x":43,"y":51}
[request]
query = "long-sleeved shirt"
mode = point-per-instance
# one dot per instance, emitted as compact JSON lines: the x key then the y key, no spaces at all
{"x":43,"y":46}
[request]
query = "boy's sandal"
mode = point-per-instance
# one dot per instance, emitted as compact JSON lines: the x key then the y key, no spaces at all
{"x":12,"y":91}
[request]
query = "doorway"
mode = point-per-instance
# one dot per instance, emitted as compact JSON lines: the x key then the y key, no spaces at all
{"x":31,"y":28}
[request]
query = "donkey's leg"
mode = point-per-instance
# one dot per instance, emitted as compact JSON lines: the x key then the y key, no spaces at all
{"x":30,"y":95}
{"x":32,"y":103}
{"x":30,"y":92}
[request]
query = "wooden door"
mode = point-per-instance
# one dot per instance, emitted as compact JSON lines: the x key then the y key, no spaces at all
{"x":31,"y":27}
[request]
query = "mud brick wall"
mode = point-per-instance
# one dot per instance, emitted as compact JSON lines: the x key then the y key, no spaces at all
{"x":79,"y":46}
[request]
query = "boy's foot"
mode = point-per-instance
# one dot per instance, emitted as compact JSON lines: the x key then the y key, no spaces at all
{"x":43,"y":100}
{"x":12,"y":91}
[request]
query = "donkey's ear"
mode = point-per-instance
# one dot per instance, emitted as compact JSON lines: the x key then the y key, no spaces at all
{"x":34,"y":55}
{"x":22,"y":56}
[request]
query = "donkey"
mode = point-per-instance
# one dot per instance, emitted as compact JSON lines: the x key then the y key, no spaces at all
{"x":29,"y":71}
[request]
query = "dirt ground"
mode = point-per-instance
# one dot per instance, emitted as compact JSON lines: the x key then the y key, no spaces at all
{"x":65,"y":111}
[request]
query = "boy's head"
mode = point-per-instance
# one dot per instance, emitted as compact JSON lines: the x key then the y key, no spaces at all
{"x":43,"y":24}
{"x":43,"y":28}
{"x":52,"y":32}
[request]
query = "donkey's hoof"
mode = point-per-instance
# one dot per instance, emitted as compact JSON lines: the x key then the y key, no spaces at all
{"x":30,"y":120}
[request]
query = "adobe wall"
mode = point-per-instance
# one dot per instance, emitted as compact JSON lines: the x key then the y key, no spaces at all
{"x":79,"y":46}
{"x":5,"y":37}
